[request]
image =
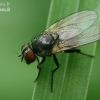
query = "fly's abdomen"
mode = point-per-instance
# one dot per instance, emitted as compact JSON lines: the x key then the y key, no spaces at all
{"x":43,"y":44}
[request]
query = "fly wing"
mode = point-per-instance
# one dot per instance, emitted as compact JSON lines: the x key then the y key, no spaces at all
{"x":90,"y":35}
{"x":74,"y":30}
{"x":72,"y":25}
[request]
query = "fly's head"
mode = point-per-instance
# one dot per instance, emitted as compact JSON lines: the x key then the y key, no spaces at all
{"x":27,"y":54}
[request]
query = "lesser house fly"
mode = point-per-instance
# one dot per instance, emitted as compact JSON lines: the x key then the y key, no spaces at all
{"x":64,"y":35}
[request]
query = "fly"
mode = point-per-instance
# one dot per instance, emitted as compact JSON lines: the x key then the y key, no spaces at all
{"x":65,"y":35}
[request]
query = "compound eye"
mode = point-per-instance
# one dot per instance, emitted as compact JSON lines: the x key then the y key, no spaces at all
{"x":27,"y":54}
{"x":30,"y":57}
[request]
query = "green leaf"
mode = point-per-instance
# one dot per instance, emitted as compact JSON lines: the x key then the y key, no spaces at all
{"x":71,"y":80}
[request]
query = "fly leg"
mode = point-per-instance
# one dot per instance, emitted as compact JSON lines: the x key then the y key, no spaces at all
{"x":39,"y":67}
{"x":37,"y":59}
{"x":78,"y":51}
{"x":57,"y":64}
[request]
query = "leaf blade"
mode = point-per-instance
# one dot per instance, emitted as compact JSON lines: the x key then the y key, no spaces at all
{"x":64,"y":78}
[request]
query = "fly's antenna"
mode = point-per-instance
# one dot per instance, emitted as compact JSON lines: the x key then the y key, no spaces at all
{"x":15,"y":52}
{"x":19,"y":55}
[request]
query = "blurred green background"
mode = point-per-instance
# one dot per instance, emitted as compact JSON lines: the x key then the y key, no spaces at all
{"x":25,"y":19}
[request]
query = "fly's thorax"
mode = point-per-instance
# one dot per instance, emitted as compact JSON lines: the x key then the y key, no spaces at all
{"x":43,"y":44}
{"x":27,"y":54}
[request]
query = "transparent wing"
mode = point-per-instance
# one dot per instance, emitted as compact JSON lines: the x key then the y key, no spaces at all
{"x":90,"y":35}
{"x":72,"y":25}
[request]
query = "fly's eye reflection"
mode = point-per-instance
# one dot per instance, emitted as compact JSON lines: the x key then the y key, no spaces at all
{"x":65,"y":35}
